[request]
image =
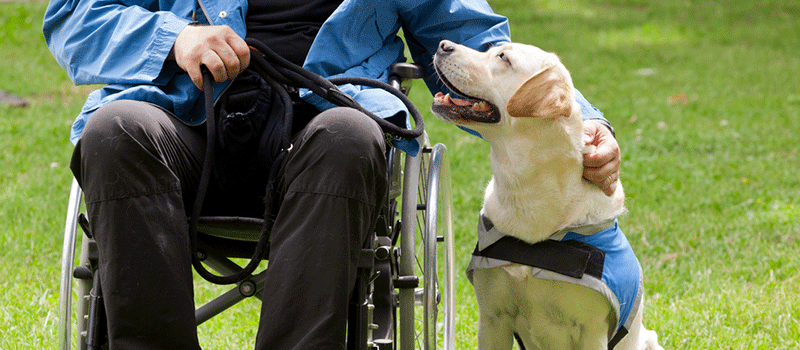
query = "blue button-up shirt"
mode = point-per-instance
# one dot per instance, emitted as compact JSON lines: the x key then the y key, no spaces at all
{"x":125,"y":44}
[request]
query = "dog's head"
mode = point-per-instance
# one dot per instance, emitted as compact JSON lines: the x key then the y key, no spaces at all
{"x":502,"y":85}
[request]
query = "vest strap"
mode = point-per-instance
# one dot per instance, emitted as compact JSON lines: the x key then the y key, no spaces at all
{"x":570,"y":258}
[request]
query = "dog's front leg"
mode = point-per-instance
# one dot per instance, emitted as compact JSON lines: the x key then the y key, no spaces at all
{"x":494,"y":333}
{"x":496,"y":308}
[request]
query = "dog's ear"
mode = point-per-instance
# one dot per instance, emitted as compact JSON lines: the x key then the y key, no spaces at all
{"x":545,"y":94}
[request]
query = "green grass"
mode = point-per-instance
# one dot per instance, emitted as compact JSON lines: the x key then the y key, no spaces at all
{"x":705,"y":100}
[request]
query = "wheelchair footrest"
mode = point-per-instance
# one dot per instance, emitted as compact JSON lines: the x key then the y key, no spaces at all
{"x":82,"y":273}
{"x":367,"y":259}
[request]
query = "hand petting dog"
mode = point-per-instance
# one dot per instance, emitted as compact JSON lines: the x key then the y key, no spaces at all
{"x":601,"y":167}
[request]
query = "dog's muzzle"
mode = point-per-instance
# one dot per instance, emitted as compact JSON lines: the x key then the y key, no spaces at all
{"x":455,"y":109}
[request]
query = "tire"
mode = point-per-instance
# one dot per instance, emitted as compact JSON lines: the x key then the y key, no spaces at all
{"x":426,"y":313}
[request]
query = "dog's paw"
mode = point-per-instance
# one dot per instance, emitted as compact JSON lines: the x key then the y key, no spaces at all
{"x":651,"y":341}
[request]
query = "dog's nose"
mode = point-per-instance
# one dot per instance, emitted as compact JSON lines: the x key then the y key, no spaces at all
{"x":446,"y":47}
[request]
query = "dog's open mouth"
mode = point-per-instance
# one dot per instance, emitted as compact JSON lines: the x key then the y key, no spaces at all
{"x":468,"y":109}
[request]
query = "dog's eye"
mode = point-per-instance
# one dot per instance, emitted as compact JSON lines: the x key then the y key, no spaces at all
{"x":503,"y":57}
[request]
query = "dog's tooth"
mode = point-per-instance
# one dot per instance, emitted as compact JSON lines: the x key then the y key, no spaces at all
{"x":447,"y":100}
{"x":480,"y":106}
{"x":440,"y":98}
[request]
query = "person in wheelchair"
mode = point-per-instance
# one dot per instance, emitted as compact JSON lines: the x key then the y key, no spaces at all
{"x":140,"y":143}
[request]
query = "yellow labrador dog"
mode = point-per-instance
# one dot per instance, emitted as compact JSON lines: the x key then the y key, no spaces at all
{"x":552,"y":269}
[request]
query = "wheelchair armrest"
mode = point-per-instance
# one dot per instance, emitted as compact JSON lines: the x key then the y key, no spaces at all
{"x":405,"y":70}
{"x":401,"y":72}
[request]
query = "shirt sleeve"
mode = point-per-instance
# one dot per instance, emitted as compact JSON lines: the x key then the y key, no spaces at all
{"x":469,"y":23}
{"x":588,"y":111}
{"x":361,"y":39}
{"x":104,"y":41}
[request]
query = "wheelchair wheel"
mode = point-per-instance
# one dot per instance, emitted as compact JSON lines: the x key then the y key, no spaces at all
{"x":426,"y":313}
{"x":82,"y":277}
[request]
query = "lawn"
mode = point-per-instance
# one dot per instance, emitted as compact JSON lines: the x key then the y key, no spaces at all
{"x":705,"y":100}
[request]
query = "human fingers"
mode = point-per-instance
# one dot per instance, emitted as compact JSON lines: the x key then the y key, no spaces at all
{"x":195,"y":74}
{"x":604,"y":145}
{"x":233,"y":52}
{"x":215,"y":65}
{"x":604,"y":177}
{"x":601,"y":164}
{"x":241,"y":50}
{"x":218,"y":48}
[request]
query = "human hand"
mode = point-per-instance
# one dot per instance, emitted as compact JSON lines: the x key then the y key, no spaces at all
{"x":219,"y":48}
{"x":601,"y":163}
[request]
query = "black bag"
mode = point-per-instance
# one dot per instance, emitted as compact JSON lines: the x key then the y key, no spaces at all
{"x":248,"y":136}
{"x":251,"y":132}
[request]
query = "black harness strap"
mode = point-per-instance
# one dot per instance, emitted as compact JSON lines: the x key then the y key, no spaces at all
{"x":570,"y":258}
{"x":519,"y":341}
{"x":621,"y":333}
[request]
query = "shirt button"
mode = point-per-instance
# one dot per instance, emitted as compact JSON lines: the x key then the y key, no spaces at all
{"x":223,"y":14}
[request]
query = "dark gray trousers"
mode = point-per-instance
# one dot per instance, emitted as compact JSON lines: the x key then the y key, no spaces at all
{"x":139,"y":169}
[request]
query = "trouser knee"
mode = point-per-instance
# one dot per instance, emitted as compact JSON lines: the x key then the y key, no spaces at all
{"x":340,"y":152}
{"x":129,"y":142}
{"x":118,"y":127}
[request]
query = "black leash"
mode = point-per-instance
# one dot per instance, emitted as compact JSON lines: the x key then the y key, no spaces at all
{"x":280,"y":73}
{"x":287,"y":73}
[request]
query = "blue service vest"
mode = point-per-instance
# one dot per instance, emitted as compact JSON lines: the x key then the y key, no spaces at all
{"x":620,"y":278}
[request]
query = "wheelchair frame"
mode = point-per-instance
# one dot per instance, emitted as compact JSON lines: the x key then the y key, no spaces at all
{"x":387,"y":303}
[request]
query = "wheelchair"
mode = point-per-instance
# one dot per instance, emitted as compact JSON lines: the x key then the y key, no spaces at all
{"x":400,"y":302}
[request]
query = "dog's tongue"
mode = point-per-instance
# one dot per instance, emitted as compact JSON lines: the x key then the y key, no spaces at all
{"x":459,"y":102}
{"x":478,"y":106}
